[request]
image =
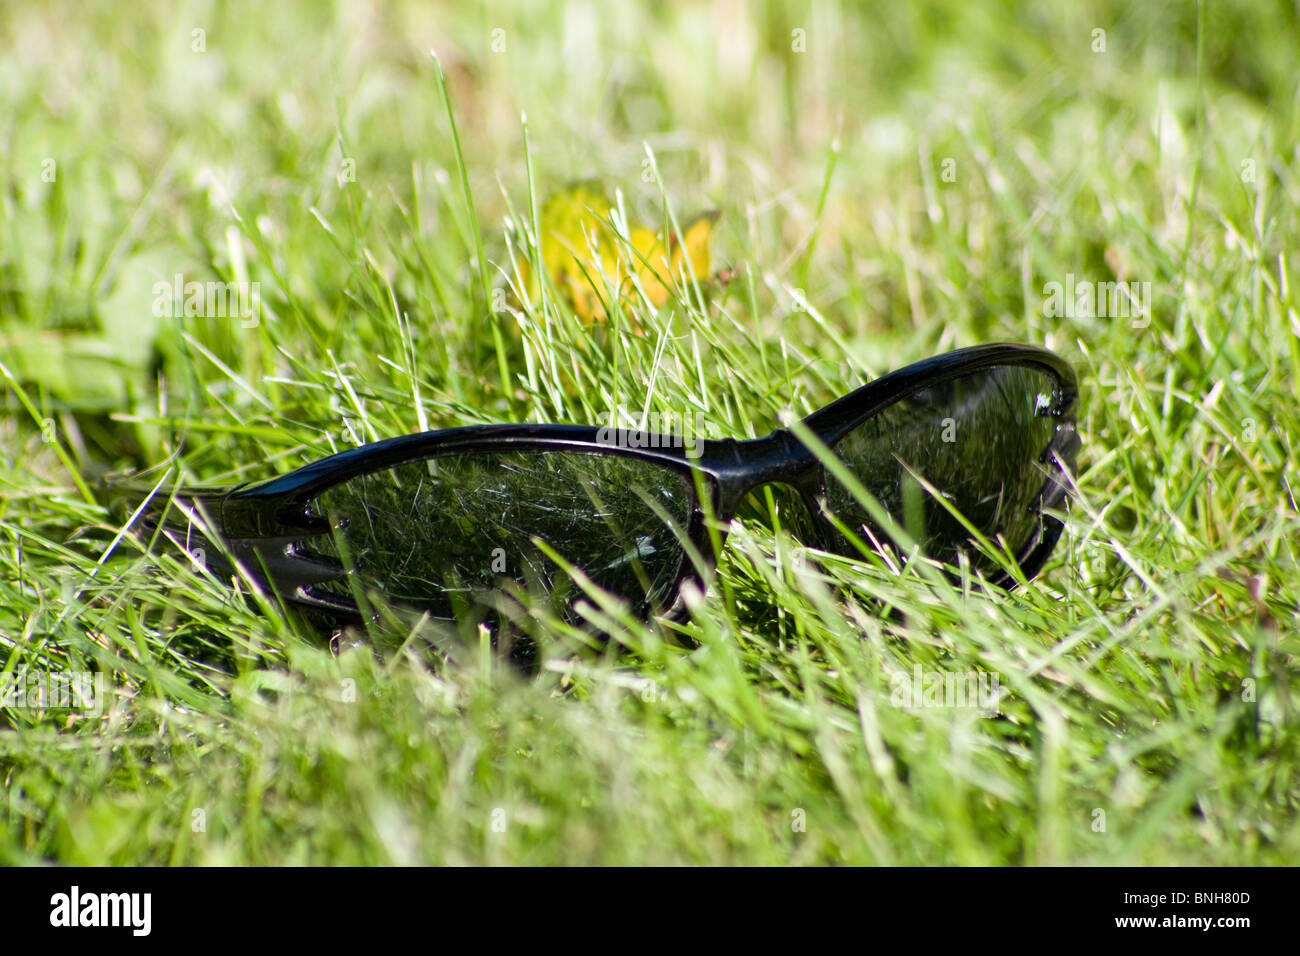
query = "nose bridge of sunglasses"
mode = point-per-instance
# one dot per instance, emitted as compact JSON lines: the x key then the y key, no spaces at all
{"x":741,"y":467}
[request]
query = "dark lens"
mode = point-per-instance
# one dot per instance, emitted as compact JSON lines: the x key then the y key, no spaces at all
{"x":450,"y":532}
{"x":978,"y":439}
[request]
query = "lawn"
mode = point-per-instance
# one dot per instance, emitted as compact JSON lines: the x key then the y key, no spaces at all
{"x":894,"y":181}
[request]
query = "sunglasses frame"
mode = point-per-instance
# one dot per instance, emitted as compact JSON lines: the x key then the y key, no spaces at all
{"x":263,"y":525}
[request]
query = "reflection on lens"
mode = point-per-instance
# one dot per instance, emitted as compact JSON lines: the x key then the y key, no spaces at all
{"x":977,"y":439}
{"x":451,"y":532}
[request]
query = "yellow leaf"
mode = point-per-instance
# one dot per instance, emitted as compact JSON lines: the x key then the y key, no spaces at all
{"x":692,"y":248}
{"x":579,"y":249}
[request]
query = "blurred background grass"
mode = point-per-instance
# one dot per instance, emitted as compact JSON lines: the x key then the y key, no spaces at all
{"x":917,"y":173}
{"x":1055,"y":149}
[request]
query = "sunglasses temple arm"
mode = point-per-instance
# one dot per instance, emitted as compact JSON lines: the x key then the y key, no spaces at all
{"x":194,"y":519}
{"x":158,"y":504}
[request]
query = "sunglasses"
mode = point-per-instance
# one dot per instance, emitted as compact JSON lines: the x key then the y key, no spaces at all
{"x":963,"y":457}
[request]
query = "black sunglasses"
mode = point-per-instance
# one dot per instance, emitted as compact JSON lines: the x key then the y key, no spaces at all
{"x":930,"y":459}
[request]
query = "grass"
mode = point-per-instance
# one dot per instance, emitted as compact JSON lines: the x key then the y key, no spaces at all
{"x":911,"y":181}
